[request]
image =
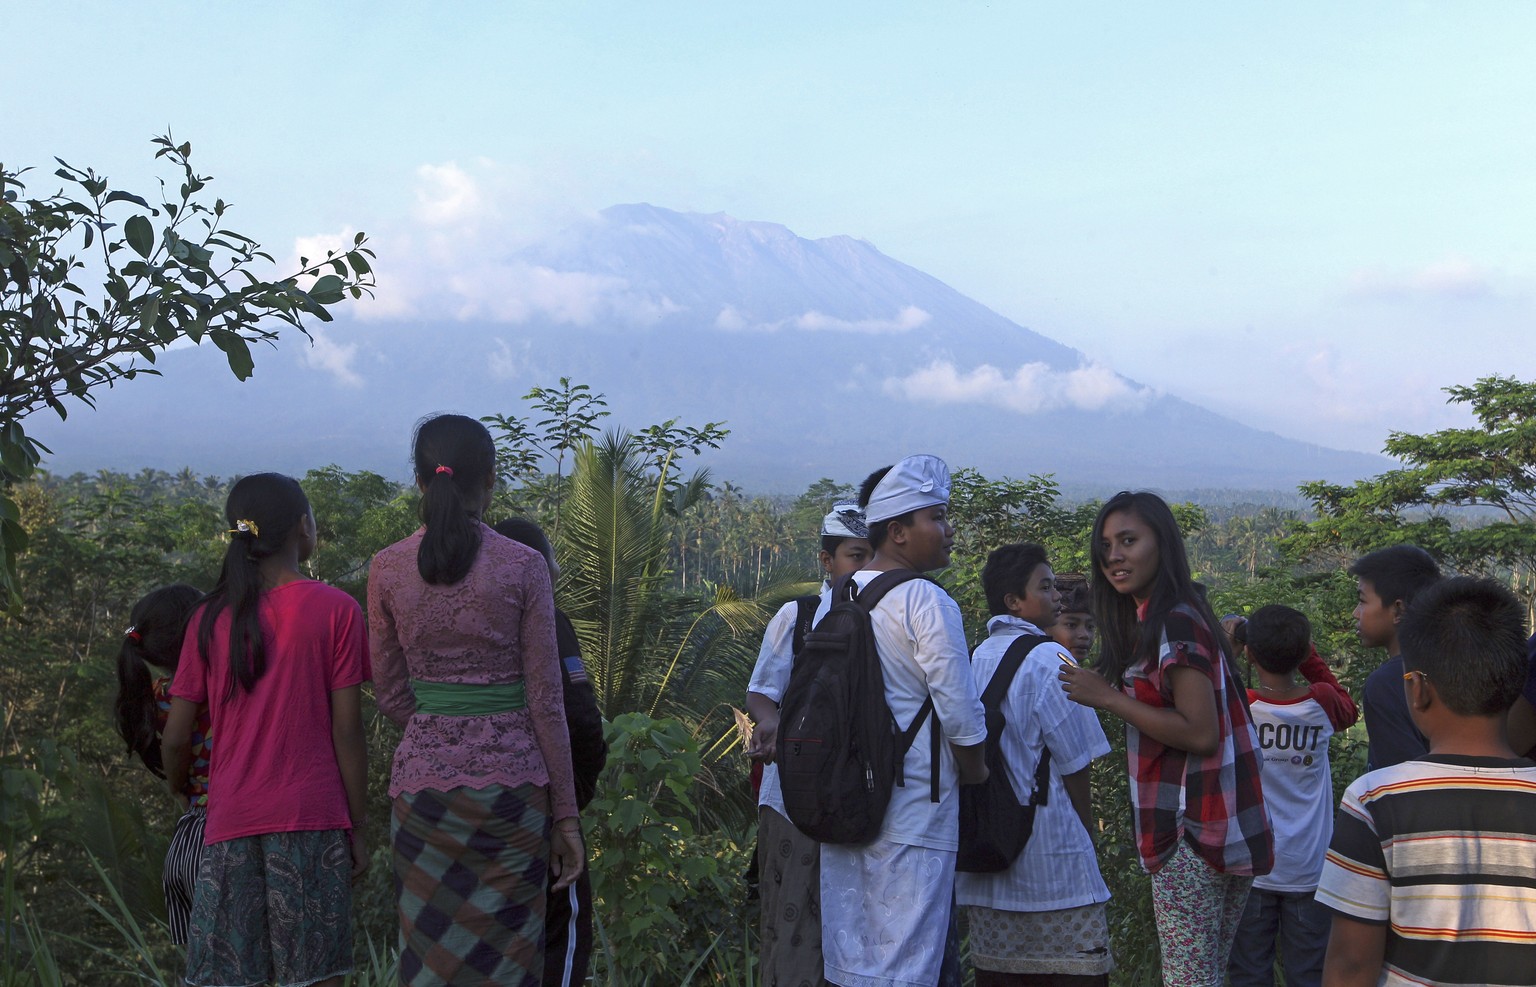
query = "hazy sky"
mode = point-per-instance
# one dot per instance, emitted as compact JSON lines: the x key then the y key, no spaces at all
{"x":1309,"y":216}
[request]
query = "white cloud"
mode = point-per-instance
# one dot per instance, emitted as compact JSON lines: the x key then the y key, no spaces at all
{"x":506,"y":361}
{"x":1452,"y":278}
{"x":909,"y":318}
{"x":326,"y":355}
{"x":454,"y":255}
{"x":1032,"y":388}
{"x":447,"y":195}
{"x":730,"y":320}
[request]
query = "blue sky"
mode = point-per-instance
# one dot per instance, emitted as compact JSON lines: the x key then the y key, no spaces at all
{"x":1309,"y":216}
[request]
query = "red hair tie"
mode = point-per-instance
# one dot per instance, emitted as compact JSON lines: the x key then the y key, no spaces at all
{"x":445,"y":469}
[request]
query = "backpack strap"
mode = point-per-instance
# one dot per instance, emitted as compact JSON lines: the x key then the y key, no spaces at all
{"x":805,"y":616}
{"x":1013,"y":659}
{"x":908,"y":737}
{"x":997,"y":690}
{"x":1042,"y":793}
{"x":869,"y":597}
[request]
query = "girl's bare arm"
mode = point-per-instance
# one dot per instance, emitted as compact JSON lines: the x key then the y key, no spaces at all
{"x":1189,"y":724}
{"x":176,"y":747}
{"x":352,"y":758}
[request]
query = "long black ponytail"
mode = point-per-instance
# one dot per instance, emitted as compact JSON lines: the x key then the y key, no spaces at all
{"x":455,"y":458}
{"x":157,"y":624}
{"x":262,"y":510}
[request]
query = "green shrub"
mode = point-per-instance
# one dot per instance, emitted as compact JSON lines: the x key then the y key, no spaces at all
{"x":660,"y":887}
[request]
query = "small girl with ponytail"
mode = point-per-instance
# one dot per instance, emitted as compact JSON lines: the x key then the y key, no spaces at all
{"x":143,"y":702}
{"x":280,"y":661}
{"x":462,"y":622}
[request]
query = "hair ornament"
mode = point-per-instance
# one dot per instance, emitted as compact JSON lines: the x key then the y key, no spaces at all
{"x":245,"y":527}
{"x":445,"y":469}
{"x":132,"y":634}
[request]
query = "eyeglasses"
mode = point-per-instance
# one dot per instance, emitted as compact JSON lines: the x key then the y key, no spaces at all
{"x":1409,"y":675}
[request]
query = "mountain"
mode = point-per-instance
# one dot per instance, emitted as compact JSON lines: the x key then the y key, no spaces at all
{"x":824,"y":358}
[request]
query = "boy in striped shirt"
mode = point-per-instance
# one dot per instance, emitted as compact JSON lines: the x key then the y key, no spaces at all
{"x":1432,"y":870}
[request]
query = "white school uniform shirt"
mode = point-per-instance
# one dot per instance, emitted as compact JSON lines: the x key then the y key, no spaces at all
{"x":921,"y":640}
{"x":1057,"y":868}
{"x":770,"y":677}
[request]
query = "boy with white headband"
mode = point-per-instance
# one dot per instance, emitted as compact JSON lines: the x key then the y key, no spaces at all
{"x":789,"y":864}
{"x":887,"y":904}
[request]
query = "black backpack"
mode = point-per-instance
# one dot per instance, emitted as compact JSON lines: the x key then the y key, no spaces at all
{"x":839,"y":749}
{"x":994,"y":825}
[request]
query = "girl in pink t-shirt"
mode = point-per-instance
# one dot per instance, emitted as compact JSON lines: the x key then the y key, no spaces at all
{"x":279,"y":659}
{"x":153,"y":640}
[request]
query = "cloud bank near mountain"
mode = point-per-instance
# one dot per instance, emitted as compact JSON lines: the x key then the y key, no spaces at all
{"x":1029,"y":390}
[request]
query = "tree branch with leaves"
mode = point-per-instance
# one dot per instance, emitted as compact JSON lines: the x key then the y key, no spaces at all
{"x":96,"y":282}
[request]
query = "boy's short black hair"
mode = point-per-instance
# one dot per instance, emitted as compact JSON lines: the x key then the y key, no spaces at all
{"x":829,"y":543}
{"x":1278,"y":638}
{"x":521,"y":529}
{"x":878,"y":530}
{"x":1397,"y":573}
{"x":1007,"y":571}
{"x":1467,"y":636}
{"x":1076,"y":596}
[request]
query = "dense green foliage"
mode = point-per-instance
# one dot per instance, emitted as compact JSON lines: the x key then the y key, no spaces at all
{"x":669,"y":580}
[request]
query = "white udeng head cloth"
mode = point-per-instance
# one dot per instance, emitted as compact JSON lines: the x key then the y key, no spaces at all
{"x":845,"y":521}
{"x":912,"y":484}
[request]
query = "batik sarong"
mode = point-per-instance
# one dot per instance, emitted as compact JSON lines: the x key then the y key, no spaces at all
{"x":470,"y":869}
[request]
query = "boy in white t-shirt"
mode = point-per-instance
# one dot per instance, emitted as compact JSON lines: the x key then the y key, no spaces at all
{"x":1294,"y":721}
{"x":1042,"y":920}
{"x":789,"y":862}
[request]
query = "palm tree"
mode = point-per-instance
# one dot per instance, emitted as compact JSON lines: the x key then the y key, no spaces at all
{"x":648,"y":647}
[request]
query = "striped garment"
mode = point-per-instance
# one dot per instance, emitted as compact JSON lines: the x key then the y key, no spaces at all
{"x":1443,"y":851}
{"x":179,"y":876}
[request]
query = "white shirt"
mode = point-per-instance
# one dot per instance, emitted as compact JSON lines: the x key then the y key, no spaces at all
{"x":1057,"y":868}
{"x":770,"y":677}
{"x":921,"y":640}
{"x":1298,"y":788}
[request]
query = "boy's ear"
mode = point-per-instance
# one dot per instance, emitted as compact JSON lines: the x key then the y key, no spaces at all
{"x":1397,"y":610}
{"x":1420,"y":691}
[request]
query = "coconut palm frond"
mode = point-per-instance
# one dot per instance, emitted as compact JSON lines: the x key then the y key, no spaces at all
{"x":615,"y":550}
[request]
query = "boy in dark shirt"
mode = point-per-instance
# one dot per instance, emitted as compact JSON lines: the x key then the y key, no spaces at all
{"x":568,"y":913}
{"x":1388,"y":580}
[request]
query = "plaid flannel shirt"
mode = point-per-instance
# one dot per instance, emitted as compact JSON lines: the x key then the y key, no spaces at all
{"x":1215,"y":802}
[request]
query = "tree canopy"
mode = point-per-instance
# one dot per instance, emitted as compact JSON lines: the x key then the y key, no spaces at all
{"x":1466,"y":495}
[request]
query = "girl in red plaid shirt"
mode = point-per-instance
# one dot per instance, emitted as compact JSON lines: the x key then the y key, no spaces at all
{"x":1201,"y":828}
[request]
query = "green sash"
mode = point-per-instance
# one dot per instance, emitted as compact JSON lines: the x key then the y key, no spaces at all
{"x":468,"y":698}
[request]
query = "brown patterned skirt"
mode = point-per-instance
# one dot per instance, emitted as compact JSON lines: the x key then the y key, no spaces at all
{"x":470,"y":869}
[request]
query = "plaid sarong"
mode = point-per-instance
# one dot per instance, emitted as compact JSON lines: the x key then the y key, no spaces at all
{"x":470,"y":869}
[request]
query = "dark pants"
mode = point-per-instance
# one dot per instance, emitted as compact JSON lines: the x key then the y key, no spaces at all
{"x":568,"y":933}
{"x":1302,"y":927}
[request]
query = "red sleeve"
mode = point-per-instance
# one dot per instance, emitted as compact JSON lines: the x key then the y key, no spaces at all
{"x":191,"y":679}
{"x":351,"y":665}
{"x":1328,"y":692}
